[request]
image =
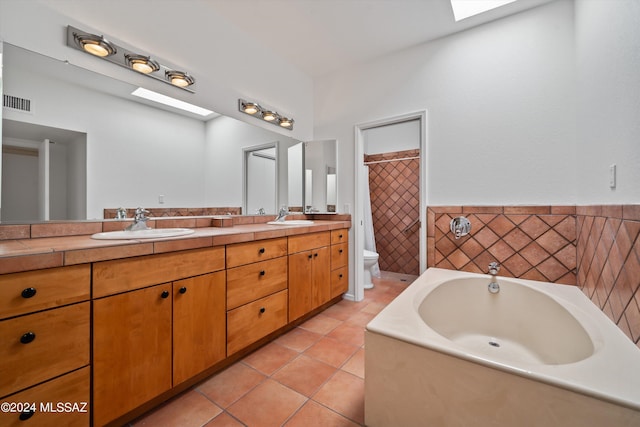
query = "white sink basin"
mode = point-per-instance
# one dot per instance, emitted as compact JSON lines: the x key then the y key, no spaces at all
{"x":151,"y":233}
{"x":292,"y":222}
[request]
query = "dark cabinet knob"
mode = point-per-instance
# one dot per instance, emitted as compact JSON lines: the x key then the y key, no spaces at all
{"x":261,"y":250}
{"x":28,"y":292}
{"x":25,"y":415}
{"x":340,"y":236}
{"x":262,"y":272}
{"x":310,"y":256}
{"x":183,"y":289}
{"x":315,"y":255}
{"x":340,"y":276}
{"x":165,"y":294}
{"x":28,"y":337}
{"x":262,"y":310}
{"x":340,"y":251}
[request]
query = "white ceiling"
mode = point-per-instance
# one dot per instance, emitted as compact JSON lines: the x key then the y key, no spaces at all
{"x":316,"y":36}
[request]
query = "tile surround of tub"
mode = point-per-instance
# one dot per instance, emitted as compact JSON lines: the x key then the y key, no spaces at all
{"x":536,"y":242}
{"x":594,"y":247}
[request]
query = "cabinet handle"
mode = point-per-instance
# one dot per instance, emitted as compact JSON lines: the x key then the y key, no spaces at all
{"x":340,"y":236}
{"x":310,"y":256}
{"x":28,"y":292}
{"x":262,"y":272}
{"x":315,"y":255}
{"x":28,"y":337}
{"x":183,"y":289}
{"x":261,"y":250}
{"x":25,"y":415}
{"x":340,"y":276}
{"x":164,"y":294}
{"x":340,"y":251}
{"x":262,"y":310}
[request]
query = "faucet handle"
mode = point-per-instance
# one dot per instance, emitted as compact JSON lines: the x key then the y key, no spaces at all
{"x":494,"y":267}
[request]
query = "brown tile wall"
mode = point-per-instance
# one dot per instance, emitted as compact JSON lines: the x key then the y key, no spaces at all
{"x":594,"y":247}
{"x":394,"y":186}
{"x":608,"y":259}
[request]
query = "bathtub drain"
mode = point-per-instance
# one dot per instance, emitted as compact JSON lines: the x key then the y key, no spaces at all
{"x":494,"y":344}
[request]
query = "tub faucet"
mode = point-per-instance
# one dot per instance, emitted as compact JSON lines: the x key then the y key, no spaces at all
{"x":139,"y":220}
{"x":282,"y":214}
{"x":494,"y":287}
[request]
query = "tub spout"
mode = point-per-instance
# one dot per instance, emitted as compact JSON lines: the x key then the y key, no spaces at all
{"x":494,"y":287}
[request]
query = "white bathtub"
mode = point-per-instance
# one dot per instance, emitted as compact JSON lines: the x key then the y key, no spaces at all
{"x":447,"y":352}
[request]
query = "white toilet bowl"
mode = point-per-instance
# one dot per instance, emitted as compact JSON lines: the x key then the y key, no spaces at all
{"x":370,"y":258}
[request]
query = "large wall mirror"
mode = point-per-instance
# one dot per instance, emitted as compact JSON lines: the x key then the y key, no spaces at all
{"x":85,"y":143}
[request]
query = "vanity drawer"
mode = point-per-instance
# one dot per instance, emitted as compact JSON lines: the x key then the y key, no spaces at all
{"x":250,"y":252}
{"x":339,"y":255}
{"x":251,"y":282}
{"x":339,"y":236}
{"x":22,"y":293}
{"x":72,"y":388}
{"x":250,"y":322}
{"x":121,"y":275}
{"x":36,"y":347}
{"x":339,"y":281}
{"x":305,"y":242}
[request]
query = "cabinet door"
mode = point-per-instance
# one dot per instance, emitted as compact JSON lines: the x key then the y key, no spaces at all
{"x":199,"y":324}
{"x":300,"y":292}
{"x":320,"y":277}
{"x":131,"y":350}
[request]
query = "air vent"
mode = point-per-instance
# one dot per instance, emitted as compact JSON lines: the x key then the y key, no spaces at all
{"x":15,"y":103}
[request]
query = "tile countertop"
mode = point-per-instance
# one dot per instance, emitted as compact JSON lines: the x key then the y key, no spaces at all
{"x":46,"y":252}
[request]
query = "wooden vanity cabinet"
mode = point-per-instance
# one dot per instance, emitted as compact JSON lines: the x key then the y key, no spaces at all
{"x":44,"y":343}
{"x":256,"y":291}
{"x":309,"y":273}
{"x":150,"y":339}
{"x":339,"y":262}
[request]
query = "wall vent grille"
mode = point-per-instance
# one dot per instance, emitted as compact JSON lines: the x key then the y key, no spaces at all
{"x":15,"y":103}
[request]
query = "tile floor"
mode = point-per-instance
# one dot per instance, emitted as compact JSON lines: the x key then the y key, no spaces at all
{"x":311,"y":376}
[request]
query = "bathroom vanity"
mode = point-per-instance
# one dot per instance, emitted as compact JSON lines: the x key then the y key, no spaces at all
{"x":96,"y":332}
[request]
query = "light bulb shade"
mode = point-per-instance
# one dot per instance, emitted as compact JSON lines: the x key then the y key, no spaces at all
{"x":250,"y":107}
{"x":269,"y":115}
{"x":142,"y":64}
{"x":95,"y":45}
{"x":286,"y":123}
{"x":179,"y":78}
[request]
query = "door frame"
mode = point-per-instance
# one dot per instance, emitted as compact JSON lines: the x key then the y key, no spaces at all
{"x":360,"y":175}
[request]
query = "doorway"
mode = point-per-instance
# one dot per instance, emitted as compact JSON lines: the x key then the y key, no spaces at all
{"x":413,"y":224}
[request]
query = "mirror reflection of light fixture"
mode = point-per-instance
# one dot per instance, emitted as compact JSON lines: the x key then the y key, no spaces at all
{"x":133,"y":59}
{"x":179,"y":78}
{"x":268,"y":115}
{"x":95,"y":45}
{"x":142,"y":64}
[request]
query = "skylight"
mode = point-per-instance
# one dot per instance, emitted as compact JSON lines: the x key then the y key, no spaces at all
{"x":465,"y":8}
{"x":172,"y":102}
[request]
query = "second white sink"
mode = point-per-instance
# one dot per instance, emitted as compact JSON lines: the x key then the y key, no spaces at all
{"x":150,"y":233}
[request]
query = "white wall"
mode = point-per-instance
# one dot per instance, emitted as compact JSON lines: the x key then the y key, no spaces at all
{"x":500,"y":100}
{"x":396,"y":137}
{"x":225,"y":72}
{"x":608,"y":77}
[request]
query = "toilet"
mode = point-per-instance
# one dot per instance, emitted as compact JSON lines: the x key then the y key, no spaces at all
{"x":370,"y":258}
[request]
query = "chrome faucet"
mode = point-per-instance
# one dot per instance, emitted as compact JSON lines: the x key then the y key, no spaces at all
{"x":121,"y":213}
{"x":139,"y":220}
{"x":494,"y":287}
{"x":261,"y":211}
{"x":282,"y":214}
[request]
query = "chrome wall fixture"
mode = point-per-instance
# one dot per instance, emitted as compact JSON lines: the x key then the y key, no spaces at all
{"x":102,"y":48}
{"x":270,"y":116}
{"x":460,"y":226}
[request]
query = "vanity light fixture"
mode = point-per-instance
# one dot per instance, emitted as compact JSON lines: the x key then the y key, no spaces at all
{"x":268,"y":115}
{"x":131,"y":59}
{"x":142,"y":64}
{"x":95,"y":45}
{"x":179,"y":78}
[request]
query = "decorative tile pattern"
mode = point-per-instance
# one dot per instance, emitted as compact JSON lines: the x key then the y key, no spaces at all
{"x":608,"y":259}
{"x":160,"y":212}
{"x":394,"y":186}
{"x":535,"y":243}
